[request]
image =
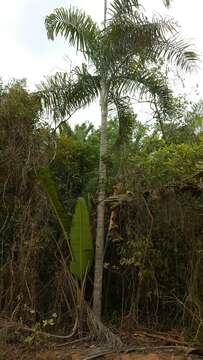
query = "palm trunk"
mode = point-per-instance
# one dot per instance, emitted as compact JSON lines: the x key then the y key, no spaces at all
{"x":99,"y":250}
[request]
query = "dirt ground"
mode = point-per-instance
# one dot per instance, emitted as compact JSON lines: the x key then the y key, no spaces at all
{"x":84,"y":352}
{"x":139,"y":346}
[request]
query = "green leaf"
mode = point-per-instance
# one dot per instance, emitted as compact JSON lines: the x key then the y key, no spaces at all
{"x":62,"y":94}
{"x":75,"y":26}
{"x":50,"y":188}
{"x":120,"y":7}
{"x":81,"y":240}
{"x":126,"y":119}
{"x":131,"y":35}
{"x":167,"y":3}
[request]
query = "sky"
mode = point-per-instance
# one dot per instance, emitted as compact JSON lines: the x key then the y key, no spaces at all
{"x":27,"y":53}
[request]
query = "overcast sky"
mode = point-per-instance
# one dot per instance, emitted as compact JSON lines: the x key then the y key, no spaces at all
{"x":26,"y":52}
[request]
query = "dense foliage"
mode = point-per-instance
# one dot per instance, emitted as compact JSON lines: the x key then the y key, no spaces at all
{"x":124,"y":199}
{"x":154,"y":235}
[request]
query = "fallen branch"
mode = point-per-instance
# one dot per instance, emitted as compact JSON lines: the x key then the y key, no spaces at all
{"x":76,"y":341}
{"x":166,"y":338}
{"x":7,"y":324}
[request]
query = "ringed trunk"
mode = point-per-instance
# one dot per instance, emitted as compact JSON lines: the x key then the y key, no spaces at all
{"x":99,"y":248}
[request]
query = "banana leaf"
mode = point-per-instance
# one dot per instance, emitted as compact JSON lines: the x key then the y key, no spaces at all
{"x":50,"y":189}
{"x":81,"y":240}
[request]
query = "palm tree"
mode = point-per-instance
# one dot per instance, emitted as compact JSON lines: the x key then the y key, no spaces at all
{"x":120,"y":57}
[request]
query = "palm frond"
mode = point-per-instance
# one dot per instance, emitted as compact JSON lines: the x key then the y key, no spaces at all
{"x":75,"y":26}
{"x":121,"y":7}
{"x":178,"y":52}
{"x":126,"y":118}
{"x":167,"y":3}
{"x":135,"y":36}
{"x":63,"y":94}
{"x":137,"y":79}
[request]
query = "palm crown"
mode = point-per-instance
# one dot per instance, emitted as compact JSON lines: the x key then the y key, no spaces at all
{"x":122,"y":52}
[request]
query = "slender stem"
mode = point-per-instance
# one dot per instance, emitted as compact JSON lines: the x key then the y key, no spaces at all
{"x":99,"y":248}
{"x":158,"y":117}
{"x":105,"y":13}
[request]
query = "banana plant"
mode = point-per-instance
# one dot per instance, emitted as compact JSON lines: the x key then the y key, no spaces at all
{"x":80,"y":241}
